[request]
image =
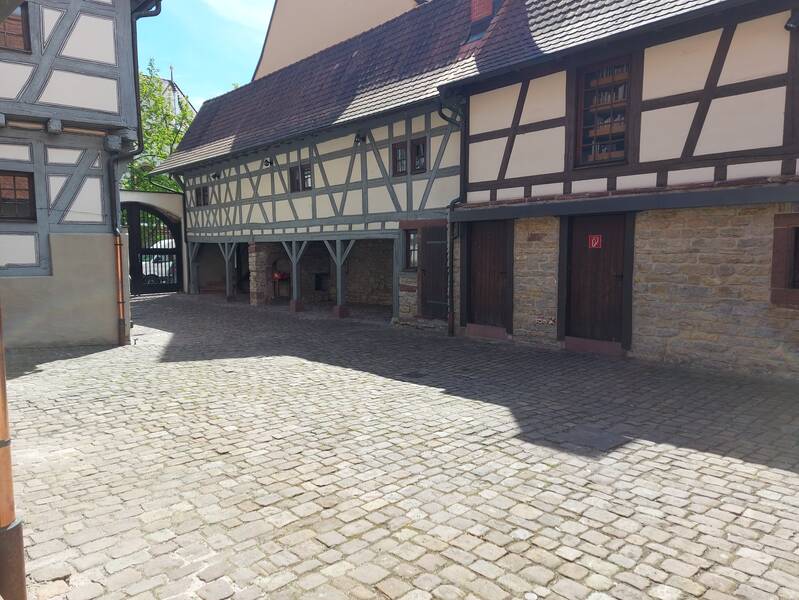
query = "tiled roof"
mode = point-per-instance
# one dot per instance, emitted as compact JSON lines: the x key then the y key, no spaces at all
{"x":403,"y":62}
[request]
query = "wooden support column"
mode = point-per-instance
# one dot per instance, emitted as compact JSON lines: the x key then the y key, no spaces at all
{"x":228,"y":249}
{"x":194,"y":268}
{"x":295,"y":251}
{"x":339,"y":256}
{"x":12,"y":553}
{"x":397,"y":267}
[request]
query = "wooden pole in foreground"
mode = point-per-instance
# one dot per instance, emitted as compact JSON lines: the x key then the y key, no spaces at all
{"x":12,"y":551}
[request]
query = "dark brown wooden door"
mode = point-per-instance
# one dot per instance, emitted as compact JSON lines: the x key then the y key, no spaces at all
{"x":433,"y":272}
{"x":596,"y":278}
{"x":490,"y":265}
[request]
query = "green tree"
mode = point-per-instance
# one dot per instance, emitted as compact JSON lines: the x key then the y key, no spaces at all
{"x":165,"y":121}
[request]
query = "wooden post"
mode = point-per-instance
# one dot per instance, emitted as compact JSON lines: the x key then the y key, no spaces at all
{"x":12,"y":553}
{"x":339,"y":256}
{"x":295,"y":255}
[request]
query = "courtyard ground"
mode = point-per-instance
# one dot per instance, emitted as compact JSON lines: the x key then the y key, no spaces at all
{"x":240,"y":452}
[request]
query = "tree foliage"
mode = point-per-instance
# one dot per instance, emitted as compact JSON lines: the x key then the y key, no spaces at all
{"x":165,"y":120}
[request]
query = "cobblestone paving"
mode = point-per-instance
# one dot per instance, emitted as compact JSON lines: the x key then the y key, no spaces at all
{"x":239,"y":452}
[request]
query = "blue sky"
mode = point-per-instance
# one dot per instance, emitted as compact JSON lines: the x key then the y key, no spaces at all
{"x":212,"y":44}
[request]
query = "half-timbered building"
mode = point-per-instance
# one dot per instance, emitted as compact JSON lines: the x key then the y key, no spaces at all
{"x":68,"y":118}
{"x":617,"y":177}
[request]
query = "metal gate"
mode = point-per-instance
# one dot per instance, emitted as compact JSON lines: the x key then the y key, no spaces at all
{"x":154,"y":248}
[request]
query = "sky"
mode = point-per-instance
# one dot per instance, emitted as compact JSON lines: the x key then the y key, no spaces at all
{"x":212,"y":44}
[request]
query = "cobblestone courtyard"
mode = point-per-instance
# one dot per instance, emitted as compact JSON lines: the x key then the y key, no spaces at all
{"x":239,"y":452}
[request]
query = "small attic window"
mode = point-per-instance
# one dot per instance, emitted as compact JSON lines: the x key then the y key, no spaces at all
{"x":482,"y":13}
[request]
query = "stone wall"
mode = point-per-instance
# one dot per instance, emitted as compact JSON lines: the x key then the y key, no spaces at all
{"x":408,"y":296}
{"x":370,"y":272}
{"x":535,"y":280}
{"x":265,"y":259}
{"x":702,"y":286}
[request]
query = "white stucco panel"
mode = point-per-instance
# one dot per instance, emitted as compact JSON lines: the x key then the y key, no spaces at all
{"x":679,"y":66}
{"x":81,"y":91}
{"x":50,"y":18}
{"x":354,"y":204}
{"x":688,"y":176}
{"x":380,"y":200}
{"x":304,"y":208}
{"x":63,"y":156}
{"x":324,"y":208}
{"x":336,"y":171}
{"x":664,"y":131}
{"x":759,"y":49}
{"x":18,"y":152}
{"x":485,"y":159}
{"x":546,"y":99}
{"x":538,"y":153}
{"x":744,"y":122}
{"x":92,"y":39}
{"x":265,"y":186}
{"x":758,"y":169}
{"x":283,"y":211}
{"x":510,"y":194}
{"x":18,"y":250}
{"x":342,"y":143}
{"x":13,"y":78}
{"x":493,"y":110}
{"x":87,"y":207}
{"x":586,"y":186}
{"x":546,"y":189}
{"x":635,"y":182}
{"x":55,"y":183}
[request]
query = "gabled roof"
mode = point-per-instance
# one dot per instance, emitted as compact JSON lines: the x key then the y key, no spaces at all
{"x":404,"y":62}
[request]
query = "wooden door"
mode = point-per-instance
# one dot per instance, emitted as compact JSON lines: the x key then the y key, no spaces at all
{"x":433,"y":272}
{"x":490,"y":272}
{"x":596,"y":278}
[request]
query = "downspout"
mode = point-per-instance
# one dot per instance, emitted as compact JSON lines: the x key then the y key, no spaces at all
{"x":152,"y":10}
{"x":450,"y":227}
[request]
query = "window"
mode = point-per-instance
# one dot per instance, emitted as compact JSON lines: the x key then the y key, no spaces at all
{"x":411,"y":249}
{"x":14,"y":32}
{"x":301,"y":178}
{"x":399,"y":159}
{"x":604,"y":104}
{"x":419,"y":155}
{"x":17,"y":200}
{"x":202,"y":196}
{"x":785,"y":261}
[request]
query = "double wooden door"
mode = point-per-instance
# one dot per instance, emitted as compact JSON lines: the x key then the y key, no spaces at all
{"x":490,"y":273}
{"x":596,"y":278}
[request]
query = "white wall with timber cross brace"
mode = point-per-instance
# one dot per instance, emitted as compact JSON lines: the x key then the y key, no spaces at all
{"x":353,"y":187}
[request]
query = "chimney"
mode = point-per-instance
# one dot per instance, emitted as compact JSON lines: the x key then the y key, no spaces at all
{"x":482,"y":9}
{"x":482,"y":13}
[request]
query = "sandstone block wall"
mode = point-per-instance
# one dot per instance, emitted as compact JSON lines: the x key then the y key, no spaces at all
{"x":535,"y":280}
{"x":370,"y":272}
{"x":702,"y":287}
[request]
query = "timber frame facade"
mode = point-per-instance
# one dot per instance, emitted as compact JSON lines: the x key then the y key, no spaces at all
{"x":631,"y":194}
{"x":353,"y":193}
{"x":68,"y":116}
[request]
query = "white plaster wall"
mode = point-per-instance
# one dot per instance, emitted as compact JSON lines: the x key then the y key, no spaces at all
{"x":664,"y":132}
{"x":445,"y":190}
{"x":756,"y":169}
{"x":546,"y":99}
{"x":634,"y":182}
{"x":18,"y":152}
{"x":18,"y":250}
{"x":759,"y":49}
{"x":679,"y":66}
{"x":493,"y":110}
{"x":688,"y":176}
{"x":92,"y":39}
{"x":81,"y":91}
{"x":74,"y":306}
{"x":744,"y":122}
{"x":485,"y":159}
{"x":63,"y":156}
{"x":538,"y":153}
{"x":87,"y":207}
{"x":13,"y":78}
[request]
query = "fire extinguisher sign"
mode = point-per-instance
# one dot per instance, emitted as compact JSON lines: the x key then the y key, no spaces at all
{"x":595,"y":242}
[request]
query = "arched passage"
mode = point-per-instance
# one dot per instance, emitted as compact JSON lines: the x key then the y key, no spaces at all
{"x":155,"y":249}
